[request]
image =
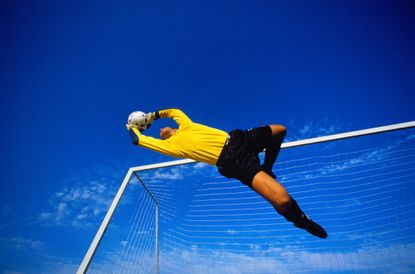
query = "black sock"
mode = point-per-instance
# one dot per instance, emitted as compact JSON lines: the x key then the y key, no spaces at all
{"x":272,"y":149}
{"x":294,"y":214}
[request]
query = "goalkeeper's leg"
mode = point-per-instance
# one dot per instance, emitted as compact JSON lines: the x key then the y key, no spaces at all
{"x":284,"y":204}
{"x":273,"y":147}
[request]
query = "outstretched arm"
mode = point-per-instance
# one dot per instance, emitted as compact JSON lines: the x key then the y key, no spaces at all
{"x":158,"y":145}
{"x":176,"y":114}
{"x":162,"y":146}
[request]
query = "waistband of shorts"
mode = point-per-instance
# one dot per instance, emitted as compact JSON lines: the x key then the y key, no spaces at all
{"x":228,"y":139}
{"x":230,"y":135}
{"x":224,"y":148}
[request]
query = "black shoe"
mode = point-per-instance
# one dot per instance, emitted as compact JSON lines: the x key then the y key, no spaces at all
{"x":312,"y":227}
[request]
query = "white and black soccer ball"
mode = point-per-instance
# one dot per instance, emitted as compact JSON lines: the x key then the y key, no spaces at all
{"x":139,"y":120}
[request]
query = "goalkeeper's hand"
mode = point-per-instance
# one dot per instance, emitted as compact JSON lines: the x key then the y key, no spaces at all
{"x":151,"y":116}
{"x":129,"y":127}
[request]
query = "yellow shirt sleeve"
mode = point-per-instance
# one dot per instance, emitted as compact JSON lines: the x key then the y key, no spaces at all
{"x":191,"y":140}
{"x":177,"y":115}
{"x":159,"y":145}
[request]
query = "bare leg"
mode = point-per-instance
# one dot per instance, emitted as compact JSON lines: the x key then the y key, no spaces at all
{"x":279,"y":198}
{"x":271,"y":190}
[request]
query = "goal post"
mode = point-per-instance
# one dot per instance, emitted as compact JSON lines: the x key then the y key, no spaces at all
{"x":103,"y":227}
{"x":156,"y":260}
{"x":180,"y":235}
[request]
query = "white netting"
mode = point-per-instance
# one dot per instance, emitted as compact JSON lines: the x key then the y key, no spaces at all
{"x":361,"y":190}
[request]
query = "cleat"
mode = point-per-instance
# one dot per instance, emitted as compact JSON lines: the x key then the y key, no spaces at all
{"x":312,"y":227}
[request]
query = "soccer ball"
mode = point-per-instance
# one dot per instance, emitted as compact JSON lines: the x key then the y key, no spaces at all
{"x":138,"y":120}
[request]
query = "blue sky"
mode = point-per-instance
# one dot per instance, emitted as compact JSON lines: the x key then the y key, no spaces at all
{"x":71,"y":72}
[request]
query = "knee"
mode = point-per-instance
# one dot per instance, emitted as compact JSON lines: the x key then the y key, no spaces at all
{"x":283,"y":204}
{"x":278,"y":130}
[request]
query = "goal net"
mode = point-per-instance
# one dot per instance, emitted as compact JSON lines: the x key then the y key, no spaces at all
{"x":183,"y":217}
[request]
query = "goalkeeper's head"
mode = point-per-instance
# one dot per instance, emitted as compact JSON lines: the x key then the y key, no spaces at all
{"x":167,"y":132}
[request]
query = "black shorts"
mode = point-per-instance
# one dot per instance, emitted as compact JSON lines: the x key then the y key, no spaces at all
{"x":239,"y":157}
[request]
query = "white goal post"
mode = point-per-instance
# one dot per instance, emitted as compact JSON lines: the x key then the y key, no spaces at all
{"x":132,"y":172}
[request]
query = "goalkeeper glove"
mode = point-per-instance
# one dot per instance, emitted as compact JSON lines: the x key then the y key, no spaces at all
{"x":151,"y":116}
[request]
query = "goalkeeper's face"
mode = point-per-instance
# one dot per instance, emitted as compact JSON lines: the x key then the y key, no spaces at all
{"x":167,"y":132}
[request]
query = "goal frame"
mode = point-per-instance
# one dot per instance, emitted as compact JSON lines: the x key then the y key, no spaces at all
{"x":134,"y":170}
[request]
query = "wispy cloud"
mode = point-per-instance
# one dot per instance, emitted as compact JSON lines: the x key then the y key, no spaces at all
{"x":410,"y":137}
{"x":79,"y":205}
{"x":313,"y":129}
{"x":176,"y":173}
{"x":352,"y":163}
{"x":200,"y":165}
{"x":83,"y":203}
{"x":16,"y":250}
{"x":274,"y":260}
{"x":21,"y":243}
{"x":374,"y":258}
{"x":169,"y":174}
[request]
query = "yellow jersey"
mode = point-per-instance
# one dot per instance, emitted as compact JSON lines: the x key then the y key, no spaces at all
{"x":191,"y":140}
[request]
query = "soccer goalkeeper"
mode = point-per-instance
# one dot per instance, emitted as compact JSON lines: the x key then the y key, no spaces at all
{"x":235,"y":155}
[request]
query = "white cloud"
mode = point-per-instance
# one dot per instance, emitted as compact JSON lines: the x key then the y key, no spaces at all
{"x":293,"y":261}
{"x":173,"y":173}
{"x":79,"y":205}
{"x":394,"y":258}
{"x":177,"y":172}
{"x":200,"y":165}
{"x":342,"y":164}
{"x":63,"y":268}
{"x":314,"y":129}
{"x":17,"y":251}
{"x":20,"y":243}
{"x":169,"y":174}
